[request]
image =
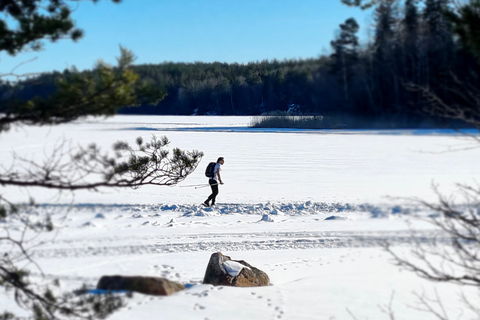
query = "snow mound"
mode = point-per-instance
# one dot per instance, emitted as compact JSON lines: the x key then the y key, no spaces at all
{"x":267,"y":218}
{"x":336,"y":218}
{"x":88,"y":224}
{"x":138,"y":211}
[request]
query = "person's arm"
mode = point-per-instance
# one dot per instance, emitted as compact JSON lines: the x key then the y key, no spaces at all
{"x":218,"y":175}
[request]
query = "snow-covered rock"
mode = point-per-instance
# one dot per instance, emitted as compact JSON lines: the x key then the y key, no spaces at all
{"x":233,"y":268}
{"x":222,"y":270}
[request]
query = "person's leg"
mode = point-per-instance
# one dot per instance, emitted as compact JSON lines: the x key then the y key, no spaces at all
{"x":214,"y":193}
{"x":207,"y":202}
{"x":212,"y":196}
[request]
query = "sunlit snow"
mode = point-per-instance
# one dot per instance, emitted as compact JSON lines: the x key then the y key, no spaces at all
{"x":310,"y":208}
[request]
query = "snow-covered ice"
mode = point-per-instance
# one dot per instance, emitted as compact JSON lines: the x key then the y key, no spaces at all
{"x":310,"y":208}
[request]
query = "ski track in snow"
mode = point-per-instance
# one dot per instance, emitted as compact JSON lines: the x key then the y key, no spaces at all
{"x":290,"y":240}
{"x":218,"y":238}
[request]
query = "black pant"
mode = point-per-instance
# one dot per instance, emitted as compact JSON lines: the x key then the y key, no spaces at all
{"x":214,"y":186}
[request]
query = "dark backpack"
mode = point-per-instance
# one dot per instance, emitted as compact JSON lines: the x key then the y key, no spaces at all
{"x":209,"y":171}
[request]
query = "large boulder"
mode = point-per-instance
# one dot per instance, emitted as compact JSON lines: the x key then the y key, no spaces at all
{"x":223,"y":271}
{"x":148,"y":285}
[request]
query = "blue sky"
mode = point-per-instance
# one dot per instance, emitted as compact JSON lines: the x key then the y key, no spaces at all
{"x":195,"y":30}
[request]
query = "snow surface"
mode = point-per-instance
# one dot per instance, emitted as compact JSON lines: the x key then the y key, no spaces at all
{"x":311,"y":208}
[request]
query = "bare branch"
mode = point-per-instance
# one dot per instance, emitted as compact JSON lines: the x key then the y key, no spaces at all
{"x":464,"y":107}
{"x":388,"y":309}
{"x":428,"y":305}
{"x":87,"y":168}
{"x":453,"y":254}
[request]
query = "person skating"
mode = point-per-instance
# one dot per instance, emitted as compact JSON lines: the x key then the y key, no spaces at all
{"x":214,"y":182}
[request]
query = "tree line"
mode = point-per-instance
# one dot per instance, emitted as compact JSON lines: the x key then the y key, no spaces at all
{"x":413,"y":46}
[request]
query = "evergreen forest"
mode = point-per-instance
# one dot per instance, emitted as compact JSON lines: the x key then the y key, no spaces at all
{"x":419,"y":55}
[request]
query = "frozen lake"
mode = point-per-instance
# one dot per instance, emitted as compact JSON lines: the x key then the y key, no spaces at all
{"x":274,"y":165}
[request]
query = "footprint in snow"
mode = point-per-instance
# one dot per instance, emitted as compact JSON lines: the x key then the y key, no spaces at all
{"x":201,"y":294}
{"x":88,"y":224}
{"x":198,"y":307}
{"x":165,"y":271}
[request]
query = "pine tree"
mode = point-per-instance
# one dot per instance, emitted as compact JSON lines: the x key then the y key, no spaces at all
{"x":410,"y":29}
{"x":384,"y":31}
{"x":439,"y":46}
{"x":345,"y":55}
{"x":466,"y":22}
{"x":410,"y":24}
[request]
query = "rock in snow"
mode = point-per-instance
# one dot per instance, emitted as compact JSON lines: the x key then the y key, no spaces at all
{"x":220,"y":266}
{"x":148,"y":285}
